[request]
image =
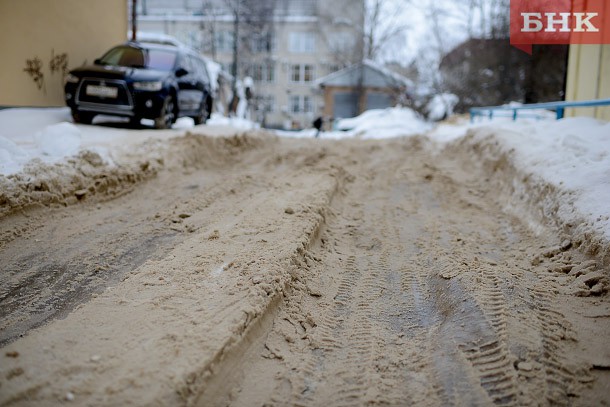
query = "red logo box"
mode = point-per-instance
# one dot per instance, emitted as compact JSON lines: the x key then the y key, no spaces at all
{"x":559,"y":22}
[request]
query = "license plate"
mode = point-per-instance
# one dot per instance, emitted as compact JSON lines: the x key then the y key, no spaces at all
{"x":102,"y":91}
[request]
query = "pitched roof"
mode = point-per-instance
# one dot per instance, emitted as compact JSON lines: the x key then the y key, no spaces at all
{"x":373,"y":74}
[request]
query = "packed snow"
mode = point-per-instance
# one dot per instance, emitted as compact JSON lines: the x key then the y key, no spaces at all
{"x":572,"y":154}
{"x":49,"y":135}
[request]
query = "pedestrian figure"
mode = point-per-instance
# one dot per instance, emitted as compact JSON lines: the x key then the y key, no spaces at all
{"x":318,"y":125}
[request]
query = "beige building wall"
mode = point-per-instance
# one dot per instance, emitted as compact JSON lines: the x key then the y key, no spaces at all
{"x":589,"y":78}
{"x":55,"y":36}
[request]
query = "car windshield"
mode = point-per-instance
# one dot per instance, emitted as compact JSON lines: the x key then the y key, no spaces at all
{"x":160,"y":59}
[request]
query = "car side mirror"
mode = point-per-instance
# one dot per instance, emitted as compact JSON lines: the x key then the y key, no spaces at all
{"x":180,"y":72}
{"x":98,"y":61}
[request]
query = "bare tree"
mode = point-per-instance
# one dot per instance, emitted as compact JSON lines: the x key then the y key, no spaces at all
{"x":383,"y":24}
{"x":251,"y":20}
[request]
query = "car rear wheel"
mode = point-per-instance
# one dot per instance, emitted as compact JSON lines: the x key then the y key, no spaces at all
{"x":204,"y":113}
{"x":135,"y":121}
{"x":167,"y":116}
{"x":82,"y":117}
{"x":210,"y":105}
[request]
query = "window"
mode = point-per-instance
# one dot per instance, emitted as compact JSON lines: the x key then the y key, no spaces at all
{"x":295,"y":104}
{"x":302,"y":42}
{"x":342,"y":41}
{"x":262,"y":43}
{"x":307,"y":73}
{"x":307,"y":104}
{"x":264,"y":104}
{"x":198,"y":67}
{"x":264,"y":72}
{"x":295,"y":73}
{"x":301,"y":73}
{"x":223,"y":41}
{"x":301,"y":104}
{"x":148,"y":58}
{"x":301,"y":7}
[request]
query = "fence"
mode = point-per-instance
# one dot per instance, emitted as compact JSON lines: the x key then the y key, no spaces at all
{"x":558,"y":107}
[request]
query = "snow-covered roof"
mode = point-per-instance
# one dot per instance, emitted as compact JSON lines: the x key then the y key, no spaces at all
{"x":374,"y":75}
{"x":158,"y":38}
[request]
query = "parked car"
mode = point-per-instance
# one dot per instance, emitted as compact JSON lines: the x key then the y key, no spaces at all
{"x":142,"y":80}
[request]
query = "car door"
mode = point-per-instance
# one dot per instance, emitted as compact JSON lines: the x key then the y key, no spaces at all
{"x":190,"y":87}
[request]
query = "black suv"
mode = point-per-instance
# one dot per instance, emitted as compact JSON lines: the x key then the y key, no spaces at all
{"x":142,"y":81}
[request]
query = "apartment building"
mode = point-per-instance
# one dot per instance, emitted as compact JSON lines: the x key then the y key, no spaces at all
{"x":283,"y":45}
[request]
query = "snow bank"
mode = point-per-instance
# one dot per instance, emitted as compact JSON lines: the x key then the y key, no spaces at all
{"x":238,"y":123}
{"x":59,"y":140}
{"x":12,"y":157}
{"x":381,"y":123}
{"x":372,"y":124}
{"x":554,"y":173}
{"x":571,"y":154}
{"x":26,"y":134}
{"x":385,"y":123}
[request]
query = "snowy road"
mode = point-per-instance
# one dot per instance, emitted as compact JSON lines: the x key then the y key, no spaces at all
{"x":252,"y":270}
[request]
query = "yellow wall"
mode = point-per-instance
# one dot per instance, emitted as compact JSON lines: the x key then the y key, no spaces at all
{"x":589,"y":78}
{"x":81,"y":29}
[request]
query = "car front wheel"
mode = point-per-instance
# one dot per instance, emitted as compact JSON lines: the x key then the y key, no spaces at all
{"x":82,"y":117}
{"x":167,"y":115}
{"x":204,"y":113}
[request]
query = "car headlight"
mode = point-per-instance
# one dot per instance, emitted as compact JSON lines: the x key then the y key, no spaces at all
{"x":71,"y":78}
{"x":148,"y":86}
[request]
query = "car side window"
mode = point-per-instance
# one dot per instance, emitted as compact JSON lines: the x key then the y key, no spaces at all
{"x":203,"y":69}
{"x":185,"y":63}
{"x":194,"y":67}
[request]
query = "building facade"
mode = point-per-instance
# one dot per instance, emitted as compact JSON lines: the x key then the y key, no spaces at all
{"x":283,"y":45}
{"x":362,"y":86}
{"x":43,"y":40}
{"x":589,"y":78}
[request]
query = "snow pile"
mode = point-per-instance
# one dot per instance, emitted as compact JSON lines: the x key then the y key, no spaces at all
{"x":572,"y":154}
{"x":554,"y":173}
{"x":441,"y":106}
{"x":48,"y":135}
{"x":59,"y":140}
{"x":383,"y":123}
{"x":12,"y":157}
{"x":218,"y":119}
{"x":26,"y":134}
{"x":372,"y":124}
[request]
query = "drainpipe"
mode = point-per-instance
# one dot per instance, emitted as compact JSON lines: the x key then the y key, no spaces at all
{"x":133,"y":20}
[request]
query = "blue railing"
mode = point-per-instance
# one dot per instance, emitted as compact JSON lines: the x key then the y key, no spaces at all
{"x":558,"y":107}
